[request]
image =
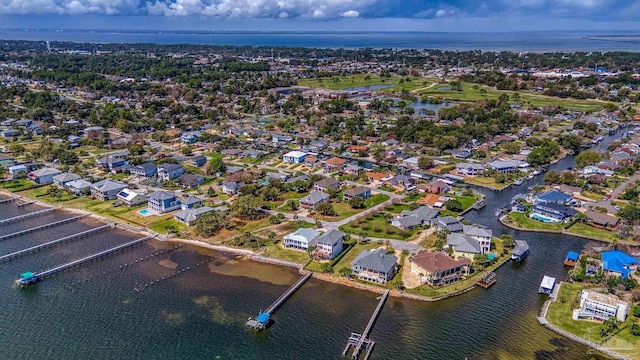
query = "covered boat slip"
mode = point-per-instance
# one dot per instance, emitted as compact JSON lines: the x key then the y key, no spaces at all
{"x":520,"y":251}
{"x":547,"y":285}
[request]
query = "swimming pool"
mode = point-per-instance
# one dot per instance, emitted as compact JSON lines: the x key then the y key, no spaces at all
{"x":541,"y":218}
{"x":491,"y":256}
{"x":144,"y":212}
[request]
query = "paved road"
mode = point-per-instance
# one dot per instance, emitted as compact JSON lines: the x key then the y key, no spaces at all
{"x":606,"y":203}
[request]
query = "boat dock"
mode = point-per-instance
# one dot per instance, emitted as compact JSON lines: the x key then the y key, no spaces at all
{"x":36,"y":277}
{"x":264,"y":318}
{"x":479,"y":204}
{"x":45,"y":226}
{"x":26,"y":216}
{"x":487,"y":280}
{"x":7,"y":200}
{"x":358,"y":341}
{"x":521,"y":251}
{"x":54,"y":242}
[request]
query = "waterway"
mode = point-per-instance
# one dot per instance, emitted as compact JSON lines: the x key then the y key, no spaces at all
{"x":103,"y":310}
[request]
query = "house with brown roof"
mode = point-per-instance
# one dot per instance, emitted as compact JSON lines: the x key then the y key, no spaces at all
{"x":335,"y":163}
{"x":310,"y":160}
{"x":436,"y":269}
{"x":602,"y":220}
{"x":431,"y":200}
{"x":377,"y":176}
{"x":357,"y":148}
{"x":326,"y":184}
{"x":436,"y":187}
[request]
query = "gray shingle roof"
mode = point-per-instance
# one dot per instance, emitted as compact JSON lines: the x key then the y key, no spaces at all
{"x":315,"y":197}
{"x":464,"y":243}
{"x":162,"y":195}
{"x":376,"y":260}
{"x":476,"y":231}
{"x":108,"y":185}
{"x":331,"y":237}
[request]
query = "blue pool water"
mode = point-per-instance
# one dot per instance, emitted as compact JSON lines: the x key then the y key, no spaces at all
{"x":144,"y":212}
{"x":541,"y":218}
{"x":491,"y":256}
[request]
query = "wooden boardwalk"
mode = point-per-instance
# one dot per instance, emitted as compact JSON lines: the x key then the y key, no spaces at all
{"x":45,"y":226}
{"x":358,"y":341}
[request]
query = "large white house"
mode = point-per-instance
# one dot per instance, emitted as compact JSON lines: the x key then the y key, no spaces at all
{"x":600,"y":307}
{"x":294,"y":157}
{"x":301,"y":239}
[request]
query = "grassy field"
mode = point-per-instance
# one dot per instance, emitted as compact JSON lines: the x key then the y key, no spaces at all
{"x":17,"y":184}
{"x":521,"y":220}
{"x":343,"y":210}
{"x":560,"y":312}
{"x":276,"y":251}
{"x":466,"y":201}
{"x":376,"y":200}
{"x":397,"y":208}
{"x":357,"y":80}
{"x":468,"y":93}
{"x":487,"y":182}
{"x":586,"y":230}
{"x":377,"y":226}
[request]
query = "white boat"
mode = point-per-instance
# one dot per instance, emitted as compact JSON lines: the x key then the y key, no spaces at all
{"x":536,"y":172}
{"x":518,"y":182}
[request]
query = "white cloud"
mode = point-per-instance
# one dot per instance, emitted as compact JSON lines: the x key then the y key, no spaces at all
{"x":351,"y":14}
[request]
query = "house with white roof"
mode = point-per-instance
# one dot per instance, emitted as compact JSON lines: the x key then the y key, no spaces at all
{"x":44,"y":175}
{"x":131,"y":198}
{"x":301,"y":239}
{"x":600,"y":307}
{"x":294,"y":157}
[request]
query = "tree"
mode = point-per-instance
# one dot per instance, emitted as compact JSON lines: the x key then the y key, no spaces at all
{"x":210,"y":223}
{"x":507,"y":240}
{"x":274,"y":220}
{"x":66,"y":157}
{"x":186,"y":150}
{"x":215,"y":165}
{"x":511,"y":147}
{"x":326,"y":268}
{"x":608,"y":326}
{"x":246,"y":207}
{"x":357,"y":202}
{"x":211,"y":192}
{"x":425,"y":162}
{"x":292,"y":205}
{"x":552,"y":177}
{"x":326,"y":209}
{"x":453,"y":205}
{"x":586,"y":158}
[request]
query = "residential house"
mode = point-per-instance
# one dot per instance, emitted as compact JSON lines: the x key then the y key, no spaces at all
{"x":352,"y":170}
{"x":461,"y":154}
{"x":554,"y":197}
{"x":198,"y":160}
{"x":400,"y":182}
{"x":617,"y":263}
{"x":335,"y":163}
{"x":6,"y":160}
{"x":326,"y":184}
{"x":168,"y":172}
{"x":301,"y":239}
{"x":361,"y":191}
{"x":44,"y":175}
{"x":469,"y":169}
{"x":551,"y":212}
{"x":375,"y":266}
{"x":329,"y":245}
{"x":79,"y":187}
{"x":110,"y":162}
{"x":314,"y":199}
{"x":161,"y":202}
{"x":437,"y":269}
{"x":62,"y":179}
{"x":600,"y":307}
{"x":377,"y":176}
{"x":294,"y":157}
{"x":190,"y":216}
{"x":482,"y":235}
{"x":432,"y":201}
{"x":106,"y":189}
{"x":408,"y":220}
{"x":131,"y":198}
{"x":147,"y":169}
{"x":463,"y":245}
{"x":504,"y":166}
{"x":190,"y":180}
{"x":411,"y":162}
{"x":448,"y":223}
{"x":602,"y":220}
{"x":190,"y":202}
{"x":231,"y":188}
{"x":9,"y":133}
{"x":437,"y":187}
{"x":15,"y":170}
{"x":190,"y":137}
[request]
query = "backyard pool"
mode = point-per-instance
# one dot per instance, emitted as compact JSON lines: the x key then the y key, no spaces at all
{"x":144,"y":212}
{"x":541,"y":218}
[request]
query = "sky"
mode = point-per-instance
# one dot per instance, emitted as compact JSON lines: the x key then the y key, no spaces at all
{"x":323,"y":15}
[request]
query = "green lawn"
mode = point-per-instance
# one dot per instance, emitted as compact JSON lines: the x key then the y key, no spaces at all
{"x":17,"y":184}
{"x":377,"y":226}
{"x":521,"y":220}
{"x":584,"y":229}
{"x":466,"y":201}
{"x":344,"y":210}
{"x":163,"y":225}
{"x":468,"y":93}
{"x":40,"y":193}
{"x":354,"y":251}
{"x":488,"y":182}
{"x":356,"y":80}
{"x":397,"y":208}
{"x":276,"y":251}
{"x":376,"y":200}
{"x":560,"y":312}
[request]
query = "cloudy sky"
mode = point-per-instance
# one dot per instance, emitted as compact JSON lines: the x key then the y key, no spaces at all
{"x":386,"y":15}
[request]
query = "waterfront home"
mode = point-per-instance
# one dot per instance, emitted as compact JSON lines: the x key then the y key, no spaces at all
{"x":551,"y":212}
{"x":505,"y":166}
{"x":554,"y":197}
{"x":520,"y":251}
{"x":359,"y":191}
{"x":110,"y":162}
{"x":547,"y":285}
{"x":231,"y":188}
{"x":79,"y":187}
{"x":448,"y":223}
{"x":326,"y":184}
{"x":463,"y":245}
{"x":409,"y":219}
{"x":314,"y":199}
{"x":432,"y":200}
{"x":600,"y":307}
{"x":44,"y":175}
{"x":198,"y":160}
{"x":301,"y":239}
{"x":161,"y":202}
{"x":15,"y":170}
{"x":106,"y":189}
{"x":482,"y":235}
{"x":62,"y":179}
{"x":437,"y":187}
{"x":469,"y":169}
{"x":190,"y":216}
{"x":190,"y":202}
{"x":617,"y":263}
{"x":168,"y":172}
{"x":131,"y":198}
{"x":375,"y":266}
{"x":147,"y":169}
{"x":437,"y":269}
{"x":294,"y":157}
{"x":328,"y":245}
{"x":601,"y":220}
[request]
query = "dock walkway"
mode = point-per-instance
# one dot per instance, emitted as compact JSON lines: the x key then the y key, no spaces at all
{"x":357,"y":341}
{"x":27,"y":216}
{"x":45,"y":226}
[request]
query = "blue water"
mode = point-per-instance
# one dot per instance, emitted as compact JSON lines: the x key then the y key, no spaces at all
{"x":144,"y":212}
{"x":514,"y":41}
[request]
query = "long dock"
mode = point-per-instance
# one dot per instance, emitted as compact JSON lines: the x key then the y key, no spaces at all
{"x":33,"y":278}
{"x":26,"y":216}
{"x":54,"y":242}
{"x":263,"y":319}
{"x":7,"y":200}
{"x":357,"y":341}
{"x":45,"y":226}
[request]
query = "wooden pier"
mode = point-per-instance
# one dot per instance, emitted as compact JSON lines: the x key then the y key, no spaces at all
{"x":487,"y":280}
{"x":7,"y":200}
{"x":37,"y":277}
{"x":26,"y":216}
{"x":45,"y":226}
{"x":358,"y":341}
{"x":264,"y":318}
{"x":54,"y":242}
